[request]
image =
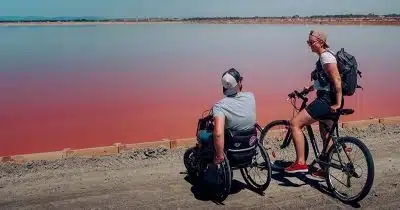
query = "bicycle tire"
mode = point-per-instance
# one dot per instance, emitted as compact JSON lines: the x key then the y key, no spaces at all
{"x":285,"y":143}
{"x":370,"y":167}
{"x":247,"y":178}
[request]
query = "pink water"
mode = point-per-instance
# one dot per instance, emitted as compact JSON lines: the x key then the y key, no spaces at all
{"x":148,"y":98}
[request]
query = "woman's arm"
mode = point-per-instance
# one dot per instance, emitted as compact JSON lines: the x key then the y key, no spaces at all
{"x":334,"y":76}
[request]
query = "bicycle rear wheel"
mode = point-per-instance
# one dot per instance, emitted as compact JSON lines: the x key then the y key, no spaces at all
{"x":350,"y":174}
{"x":276,"y":137}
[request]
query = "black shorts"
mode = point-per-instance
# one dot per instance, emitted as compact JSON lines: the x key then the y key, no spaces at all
{"x":320,"y":108}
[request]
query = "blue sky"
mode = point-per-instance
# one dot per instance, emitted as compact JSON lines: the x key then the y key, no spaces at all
{"x":191,"y":8}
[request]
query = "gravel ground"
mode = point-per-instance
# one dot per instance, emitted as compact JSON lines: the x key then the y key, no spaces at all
{"x":153,"y":178}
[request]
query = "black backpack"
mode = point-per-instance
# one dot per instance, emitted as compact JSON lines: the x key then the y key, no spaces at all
{"x":348,"y":70}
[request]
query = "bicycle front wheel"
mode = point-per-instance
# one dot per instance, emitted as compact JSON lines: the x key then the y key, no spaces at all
{"x":351,"y":170}
{"x":276,"y":137}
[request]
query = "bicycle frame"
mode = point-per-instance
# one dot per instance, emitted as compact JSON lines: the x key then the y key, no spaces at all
{"x":339,"y":144}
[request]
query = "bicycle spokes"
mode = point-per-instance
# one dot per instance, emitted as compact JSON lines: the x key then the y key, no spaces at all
{"x":347,"y":175}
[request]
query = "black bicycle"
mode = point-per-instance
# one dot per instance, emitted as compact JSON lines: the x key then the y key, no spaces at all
{"x":340,"y":164}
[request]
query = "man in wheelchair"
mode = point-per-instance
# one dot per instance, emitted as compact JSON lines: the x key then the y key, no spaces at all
{"x":235,"y":114}
{"x":229,"y":131}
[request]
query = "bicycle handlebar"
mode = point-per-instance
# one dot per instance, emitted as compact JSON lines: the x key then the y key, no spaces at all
{"x":305,"y":91}
{"x":301,"y":94}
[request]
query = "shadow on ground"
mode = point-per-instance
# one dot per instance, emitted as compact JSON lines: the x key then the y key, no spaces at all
{"x":203,"y":194}
{"x":279,"y":175}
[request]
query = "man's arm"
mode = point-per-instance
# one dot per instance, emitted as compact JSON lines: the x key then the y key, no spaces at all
{"x":333,"y":73}
{"x":219,"y":129}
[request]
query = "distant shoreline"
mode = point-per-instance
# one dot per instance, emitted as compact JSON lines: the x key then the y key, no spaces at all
{"x":84,"y":23}
{"x":391,"y":21}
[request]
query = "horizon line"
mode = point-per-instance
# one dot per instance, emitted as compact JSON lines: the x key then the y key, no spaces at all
{"x":189,"y":17}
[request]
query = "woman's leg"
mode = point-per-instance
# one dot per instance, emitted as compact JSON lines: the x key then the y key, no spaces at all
{"x":298,"y":122}
{"x":302,"y":119}
{"x":324,"y":132}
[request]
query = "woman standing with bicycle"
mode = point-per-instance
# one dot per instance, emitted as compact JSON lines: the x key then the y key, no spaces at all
{"x":327,"y":83}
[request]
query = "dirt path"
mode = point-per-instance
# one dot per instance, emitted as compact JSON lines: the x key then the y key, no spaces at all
{"x":137,"y":180}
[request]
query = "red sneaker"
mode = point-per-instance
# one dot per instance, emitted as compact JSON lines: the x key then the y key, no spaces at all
{"x":296,"y":167}
{"x":319,"y":173}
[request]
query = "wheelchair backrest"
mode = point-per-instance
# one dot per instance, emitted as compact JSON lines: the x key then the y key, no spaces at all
{"x":240,"y":147}
{"x":237,"y":140}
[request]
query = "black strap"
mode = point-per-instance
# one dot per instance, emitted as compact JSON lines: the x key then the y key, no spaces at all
{"x":359,"y":73}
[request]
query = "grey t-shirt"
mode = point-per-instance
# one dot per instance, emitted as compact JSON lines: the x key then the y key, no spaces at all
{"x":239,"y":111}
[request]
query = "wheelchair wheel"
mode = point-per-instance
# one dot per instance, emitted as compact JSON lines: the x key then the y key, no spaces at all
{"x":224,"y":180}
{"x":189,"y":161}
{"x":258,"y":174}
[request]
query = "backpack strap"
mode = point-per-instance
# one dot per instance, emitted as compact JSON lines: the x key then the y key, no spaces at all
{"x":359,"y":73}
